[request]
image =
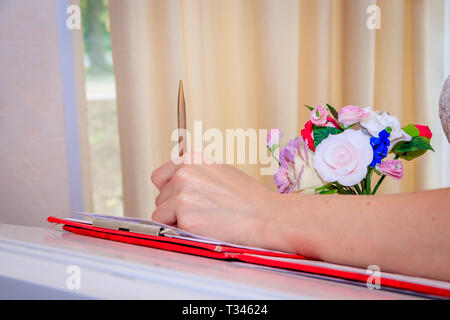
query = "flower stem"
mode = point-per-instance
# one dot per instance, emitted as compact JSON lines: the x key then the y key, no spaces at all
{"x":378,"y":184}
{"x":350,"y":190}
{"x":368,"y":181}
{"x":382,"y":178}
{"x":279,"y":163}
{"x":340,"y":188}
{"x":358,"y":190}
{"x":344,"y":189}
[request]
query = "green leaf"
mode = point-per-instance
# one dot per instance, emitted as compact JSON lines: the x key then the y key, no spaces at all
{"x":274,"y":147}
{"x":325,"y":187}
{"x":310,"y":108}
{"x":350,"y":126}
{"x":410,"y":150}
{"x":411,"y":130}
{"x":333,"y":191}
{"x":333,"y":111}
{"x":416,"y":144}
{"x":321,"y":133}
{"x":412,"y":155}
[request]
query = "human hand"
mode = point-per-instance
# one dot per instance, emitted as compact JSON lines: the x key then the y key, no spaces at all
{"x":213,"y":200}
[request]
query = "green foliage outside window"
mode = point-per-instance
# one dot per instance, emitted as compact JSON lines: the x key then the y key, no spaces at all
{"x":97,"y":44}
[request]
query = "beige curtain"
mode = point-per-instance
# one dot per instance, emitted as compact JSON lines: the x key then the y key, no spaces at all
{"x":255,"y":63}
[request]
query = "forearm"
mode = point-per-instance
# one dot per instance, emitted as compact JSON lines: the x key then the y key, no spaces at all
{"x":407,"y":233}
{"x":403,"y":233}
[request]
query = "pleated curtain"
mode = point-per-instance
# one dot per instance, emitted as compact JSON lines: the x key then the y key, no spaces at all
{"x":255,"y":63}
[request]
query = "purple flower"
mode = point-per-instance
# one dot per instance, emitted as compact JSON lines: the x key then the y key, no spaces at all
{"x":296,"y":172}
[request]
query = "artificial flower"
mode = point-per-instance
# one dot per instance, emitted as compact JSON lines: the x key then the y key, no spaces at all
{"x":377,"y":121}
{"x":350,"y":115}
{"x":332,"y":123}
{"x":296,"y":172}
{"x":391,"y":168}
{"x":319,"y":116}
{"x":424,"y":131}
{"x":417,"y":130}
{"x":419,"y":144}
{"x":273,"y":138}
{"x":307,"y":135}
{"x":344,"y":157}
{"x":380,"y":146}
{"x":308,"y":132}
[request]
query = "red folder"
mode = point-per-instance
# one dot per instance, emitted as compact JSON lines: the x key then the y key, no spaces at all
{"x":387,"y":281}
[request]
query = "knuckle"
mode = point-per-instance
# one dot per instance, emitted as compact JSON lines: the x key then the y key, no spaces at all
{"x":182,"y":200}
{"x":181,"y":176}
{"x":185,"y":204}
{"x":186,"y":222}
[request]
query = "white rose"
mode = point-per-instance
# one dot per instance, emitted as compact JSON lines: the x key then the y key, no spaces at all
{"x":344,"y":157}
{"x":378,"y":121}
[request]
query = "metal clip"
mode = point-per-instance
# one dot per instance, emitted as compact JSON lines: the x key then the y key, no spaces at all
{"x":128,"y":226}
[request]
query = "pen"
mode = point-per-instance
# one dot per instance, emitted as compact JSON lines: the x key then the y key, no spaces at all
{"x":181,"y":120}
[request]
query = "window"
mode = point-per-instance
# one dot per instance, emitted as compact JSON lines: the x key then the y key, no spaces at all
{"x":102,"y":109}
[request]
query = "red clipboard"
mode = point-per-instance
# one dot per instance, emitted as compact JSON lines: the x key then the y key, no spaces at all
{"x":387,"y":281}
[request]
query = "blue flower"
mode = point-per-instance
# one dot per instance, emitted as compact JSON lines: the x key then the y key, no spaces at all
{"x":380,"y":146}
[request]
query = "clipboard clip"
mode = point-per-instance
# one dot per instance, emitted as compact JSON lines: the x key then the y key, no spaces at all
{"x":142,"y":228}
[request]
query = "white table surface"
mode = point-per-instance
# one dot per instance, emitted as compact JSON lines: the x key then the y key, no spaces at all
{"x":34,"y":262}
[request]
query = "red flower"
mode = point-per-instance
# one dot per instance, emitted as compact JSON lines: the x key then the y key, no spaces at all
{"x":424,"y":131}
{"x":307,"y":132}
{"x":307,"y":135}
{"x":333,"y":121}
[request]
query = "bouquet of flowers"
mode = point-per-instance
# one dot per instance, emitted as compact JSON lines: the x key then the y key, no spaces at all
{"x":339,"y":152}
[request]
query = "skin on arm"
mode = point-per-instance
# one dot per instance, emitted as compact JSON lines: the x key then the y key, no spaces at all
{"x":402,"y":233}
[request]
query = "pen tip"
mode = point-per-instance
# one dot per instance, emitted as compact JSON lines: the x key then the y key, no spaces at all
{"x":180,"y":90}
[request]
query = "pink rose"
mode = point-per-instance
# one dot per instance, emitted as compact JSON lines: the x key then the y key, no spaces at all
{"x":349,"y":115}
{"x":319,"y":116}
{"x":344,"y":157}
{"x":391,"y":168}
{"x":273,"y":138}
